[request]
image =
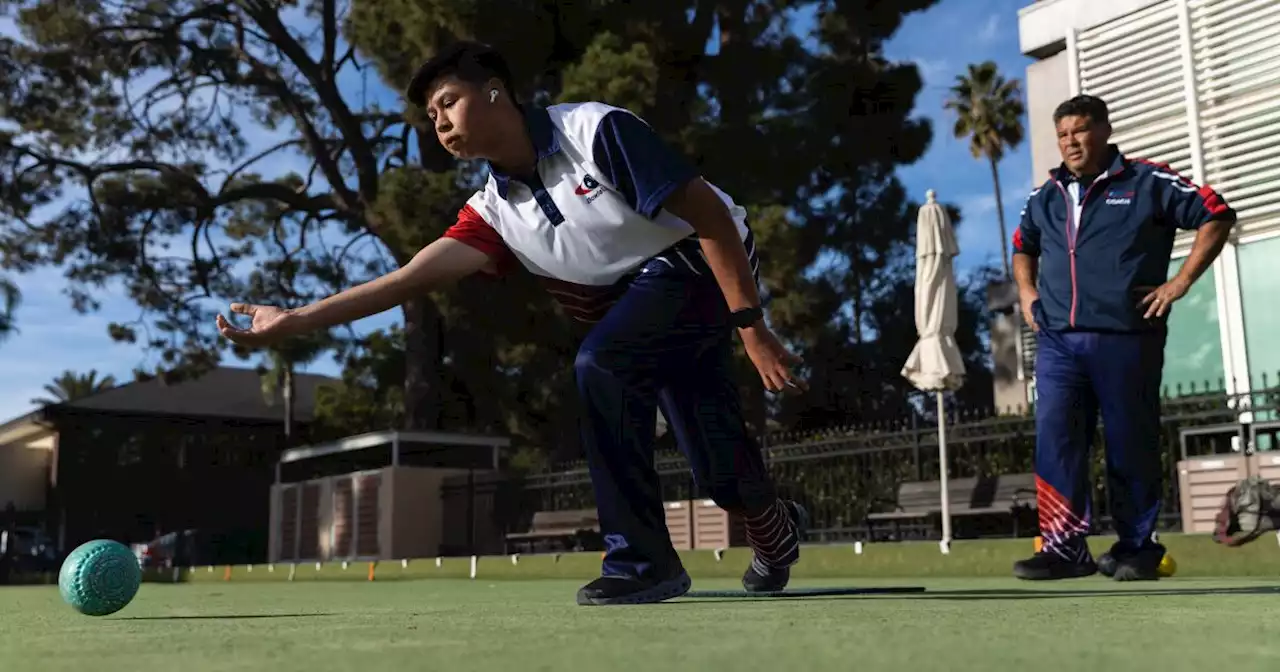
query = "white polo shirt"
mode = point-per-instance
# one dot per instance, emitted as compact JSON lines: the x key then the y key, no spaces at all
{"x":593,"y":214}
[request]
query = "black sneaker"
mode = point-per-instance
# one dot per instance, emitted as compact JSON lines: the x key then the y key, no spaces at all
{"x":612,"y":590}
{"x":1140,"y":565}
{"x":761,"y":578}
{"x":1107,"y":564}
{"x":1049,"y":566}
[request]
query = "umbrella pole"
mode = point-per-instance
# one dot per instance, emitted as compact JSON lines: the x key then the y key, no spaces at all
{"x":942,"y":467}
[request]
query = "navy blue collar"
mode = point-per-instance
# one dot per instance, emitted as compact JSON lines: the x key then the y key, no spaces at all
{"x":1118,"y":164}
{"x":545,"y":142}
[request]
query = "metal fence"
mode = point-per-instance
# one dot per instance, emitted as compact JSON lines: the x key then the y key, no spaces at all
{"x":842,"y":474}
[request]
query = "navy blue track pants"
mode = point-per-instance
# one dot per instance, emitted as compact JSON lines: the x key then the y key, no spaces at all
{"x":1079,"y":376}
{"x":667,"y":345}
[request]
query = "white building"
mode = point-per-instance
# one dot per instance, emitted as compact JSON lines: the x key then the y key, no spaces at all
{"x":1196,"y":84}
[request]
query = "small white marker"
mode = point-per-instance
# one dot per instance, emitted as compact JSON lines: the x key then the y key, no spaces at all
{"x":317,"y":566}
{"x":344,"y":564}
{"x":404,"y":564}
{"x":473,"y":566}
{"x":210,"y":569}
{"x":515,"y":558}
{"x":857,"y":548}
{"x":271,"y":569}
{"x":437,"y":562}
{"x":249,"y":567}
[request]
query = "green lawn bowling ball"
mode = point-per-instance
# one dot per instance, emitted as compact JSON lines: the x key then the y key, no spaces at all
{"x":100,"y":577}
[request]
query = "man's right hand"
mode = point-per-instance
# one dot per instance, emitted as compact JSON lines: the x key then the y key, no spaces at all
{"x":269,"y":325}
{"x":1027,"y":300}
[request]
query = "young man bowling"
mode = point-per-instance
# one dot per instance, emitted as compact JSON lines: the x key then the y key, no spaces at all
{"x":630,"y":239}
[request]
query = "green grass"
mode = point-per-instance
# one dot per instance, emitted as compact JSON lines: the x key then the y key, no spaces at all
{"x":451,"y":624}
{"x":1196,"y":555}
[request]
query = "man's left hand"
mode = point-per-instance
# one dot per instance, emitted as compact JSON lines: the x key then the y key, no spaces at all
{"x":1161,"y":298}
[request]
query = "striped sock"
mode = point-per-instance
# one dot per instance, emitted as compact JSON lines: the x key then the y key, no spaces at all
{"x":772,"y":535}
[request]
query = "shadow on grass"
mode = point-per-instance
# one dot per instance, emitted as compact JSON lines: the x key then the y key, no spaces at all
{"x":997,"y":594}
{"x":218,"y":617}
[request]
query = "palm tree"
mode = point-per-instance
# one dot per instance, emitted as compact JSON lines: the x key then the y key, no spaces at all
{"x":989,"y":112}
{"x":9,"y":298}
{"x":71,"y":386}
{"x":277,"y":374}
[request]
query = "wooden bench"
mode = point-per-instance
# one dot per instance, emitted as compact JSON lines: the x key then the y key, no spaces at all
{"x":917,"y":506}
{"x":1007,"y":495}
{"x":557,"y":531}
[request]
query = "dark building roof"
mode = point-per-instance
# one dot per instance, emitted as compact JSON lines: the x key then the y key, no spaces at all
{"x":225,"y":392}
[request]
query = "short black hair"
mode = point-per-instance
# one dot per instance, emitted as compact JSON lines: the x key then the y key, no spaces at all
{"x":472,"y":62}
{"x":1092,"y":107}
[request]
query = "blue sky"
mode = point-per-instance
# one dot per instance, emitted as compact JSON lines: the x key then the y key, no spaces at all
{"x":942,"y":41}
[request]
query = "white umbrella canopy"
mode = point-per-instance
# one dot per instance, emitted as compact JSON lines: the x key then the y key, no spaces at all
{"x":935,"y":363}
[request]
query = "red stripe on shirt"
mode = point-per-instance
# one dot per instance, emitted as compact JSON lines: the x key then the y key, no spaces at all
{"x":473,"y":230}
{"x":1212,"y":200}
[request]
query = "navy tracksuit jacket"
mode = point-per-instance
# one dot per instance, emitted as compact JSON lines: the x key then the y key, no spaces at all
{"x":1101,"y":247}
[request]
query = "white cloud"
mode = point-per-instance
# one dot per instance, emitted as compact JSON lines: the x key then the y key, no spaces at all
{"x":935,"y":72}
{"x":990,"y":30}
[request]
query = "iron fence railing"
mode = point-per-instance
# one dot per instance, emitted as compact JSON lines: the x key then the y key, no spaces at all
{"x":842,"y":474}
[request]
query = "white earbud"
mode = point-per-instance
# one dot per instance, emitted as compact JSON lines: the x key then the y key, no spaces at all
{"x":493,"y":95}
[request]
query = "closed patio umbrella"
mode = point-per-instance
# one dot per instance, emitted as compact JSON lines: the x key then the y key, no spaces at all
{"x":935,"y":364}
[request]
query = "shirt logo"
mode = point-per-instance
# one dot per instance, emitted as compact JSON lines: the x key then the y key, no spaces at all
{"x":588,"y":185}
{"x":589,"y":188}
{"x":1115,"y":197}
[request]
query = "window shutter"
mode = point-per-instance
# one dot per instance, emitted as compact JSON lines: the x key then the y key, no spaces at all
{"x":1133,"y":64}
{"x":1236,"y":49}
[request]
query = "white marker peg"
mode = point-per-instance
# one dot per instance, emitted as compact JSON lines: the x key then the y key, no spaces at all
{"x":857,"y":548}
{"x":473,"y":566}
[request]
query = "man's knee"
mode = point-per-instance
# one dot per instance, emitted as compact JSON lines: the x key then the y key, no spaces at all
{"x":594,"y":364}
{"x":586,"y":364}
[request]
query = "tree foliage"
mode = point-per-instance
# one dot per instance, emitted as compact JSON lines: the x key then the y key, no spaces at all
{"x":10,"y":297}
{"x":989,"y":111}
{"x":199,"y":152}
{"x":70,"y":386}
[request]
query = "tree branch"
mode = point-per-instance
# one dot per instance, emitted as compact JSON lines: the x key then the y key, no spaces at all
{"x":329,"y":17}
{"x":327,"y":92}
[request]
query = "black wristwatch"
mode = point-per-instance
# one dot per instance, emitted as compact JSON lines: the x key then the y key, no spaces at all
{"x":745,"y":317}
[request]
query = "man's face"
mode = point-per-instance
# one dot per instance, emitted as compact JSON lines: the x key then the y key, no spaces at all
{"x":1083,"y":143}
{"x":460,"y":111}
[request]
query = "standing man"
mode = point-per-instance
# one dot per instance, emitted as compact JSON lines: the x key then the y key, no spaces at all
{"x":586,"y":199}
{"x":1091,"y":258}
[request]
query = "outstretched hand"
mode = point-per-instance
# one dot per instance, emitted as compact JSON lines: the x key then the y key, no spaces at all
{"x":268,"y":325}
{"x":773,"y":360}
